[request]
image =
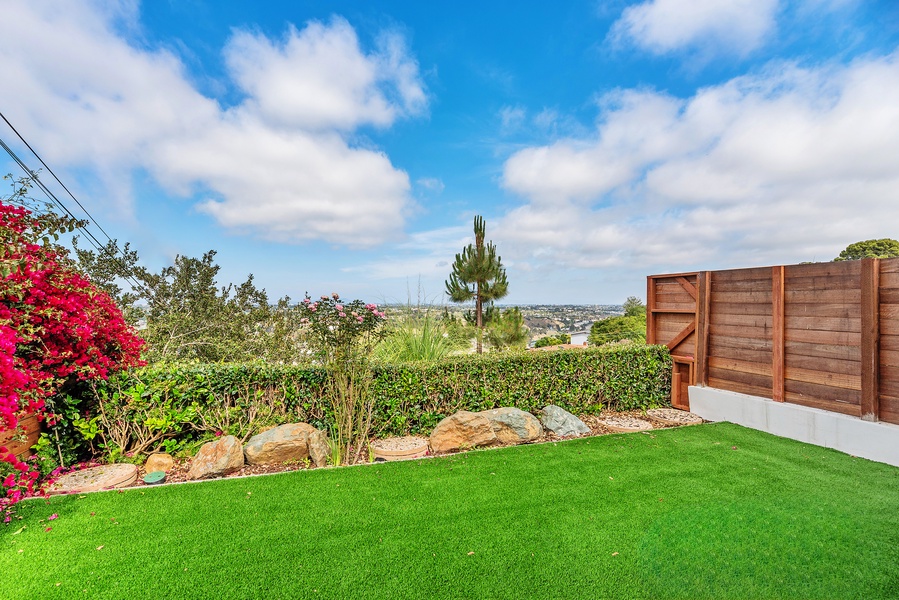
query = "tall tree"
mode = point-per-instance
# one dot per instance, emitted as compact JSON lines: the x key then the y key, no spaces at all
{"x":478,"y":274}
{"x":885,"y":248}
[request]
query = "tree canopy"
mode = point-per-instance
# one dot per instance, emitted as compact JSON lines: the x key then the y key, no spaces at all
{"x":478,"y":274}
{"x":883,"y":248}
{"x":629,"y":326}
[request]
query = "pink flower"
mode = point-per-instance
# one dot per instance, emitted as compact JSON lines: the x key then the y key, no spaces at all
{"x":53,"y":517}
{"x":342,"y":314}
{"x":338,"y":307}
{"x":218,"y":434}
{"x":360,"y":319}
{"x":306,"y":301}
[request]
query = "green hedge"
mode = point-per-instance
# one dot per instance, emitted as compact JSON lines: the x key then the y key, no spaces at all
{"x":187,"y":399}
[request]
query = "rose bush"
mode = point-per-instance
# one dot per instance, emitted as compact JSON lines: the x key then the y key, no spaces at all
{"x":343,"y":335}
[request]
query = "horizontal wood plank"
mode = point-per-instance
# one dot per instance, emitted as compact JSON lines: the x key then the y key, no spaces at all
{"x":823,"y":392}
{"x":741,"y":331}
{"x":853,"y":410}
{"x":727,"y":308}
{"x":741,"y":366}
{"x":748,"y":297}
{"x":889,"y":280}
{"x":753,"y":379}
{"x":717,"y":341}
{"x":889,"y":358}
{"x":889,"y":265}
{"x":851,"y":353}
{"x":824,"y":324}
{"x":757,"y":356}
{"x":740,"y":388}
{"x":760,"y":321}
{"x":824,"y":378}
{"x":817,"y":363}
{"x":817,"y":284}
{"x":824,"y":269}
{"x":838,"y":310}
{"x":852,"y":296}
{"x":889,"y":296}
{"x":829,"y":338}
{"x":761,"y":273}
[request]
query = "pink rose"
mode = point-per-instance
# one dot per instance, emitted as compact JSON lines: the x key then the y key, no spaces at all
{"x":338,"y":307}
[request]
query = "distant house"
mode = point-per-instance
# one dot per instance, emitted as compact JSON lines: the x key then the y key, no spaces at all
{"x":579,"y":338}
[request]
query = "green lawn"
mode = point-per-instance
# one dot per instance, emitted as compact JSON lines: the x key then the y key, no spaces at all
{"x":712,"y":511}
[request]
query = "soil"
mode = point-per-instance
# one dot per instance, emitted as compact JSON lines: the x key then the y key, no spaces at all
{"x":596,"y":423}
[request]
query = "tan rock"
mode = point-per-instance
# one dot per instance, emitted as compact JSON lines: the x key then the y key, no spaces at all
{"x":280,"y":444}
{"x":319,"y":449}
{"x":159,"y":462}
{"x":462,"y":431}
{"x":513,"y":425}
{"x":217,"y":458}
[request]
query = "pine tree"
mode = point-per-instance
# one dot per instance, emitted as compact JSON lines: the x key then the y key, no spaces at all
{"x":478,"y":275}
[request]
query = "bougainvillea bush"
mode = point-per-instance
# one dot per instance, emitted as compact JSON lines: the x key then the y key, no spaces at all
{"x":56,"y":328}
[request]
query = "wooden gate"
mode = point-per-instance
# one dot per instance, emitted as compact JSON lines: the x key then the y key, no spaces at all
{"x":672,"y":318}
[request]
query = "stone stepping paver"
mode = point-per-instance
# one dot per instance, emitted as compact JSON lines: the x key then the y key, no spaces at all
{"x":673,"y":416}
{"x":104,"y":477}
{"x":624,"y":424}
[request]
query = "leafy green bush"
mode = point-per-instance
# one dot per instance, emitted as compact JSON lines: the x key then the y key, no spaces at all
{"x":175,"y":405}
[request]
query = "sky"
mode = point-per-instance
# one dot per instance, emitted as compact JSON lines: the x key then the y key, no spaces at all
{"x":347,"y":145}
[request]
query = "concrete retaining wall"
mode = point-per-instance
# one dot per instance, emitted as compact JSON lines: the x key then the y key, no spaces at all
{"x":872,"y":440}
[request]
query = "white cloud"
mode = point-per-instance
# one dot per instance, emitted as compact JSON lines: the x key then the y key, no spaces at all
{"x":279,"y":164}
{"x":786,"y":165}
{"x":662,"y":26}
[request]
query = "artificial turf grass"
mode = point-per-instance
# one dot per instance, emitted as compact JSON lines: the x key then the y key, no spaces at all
{"x":675,"y":513}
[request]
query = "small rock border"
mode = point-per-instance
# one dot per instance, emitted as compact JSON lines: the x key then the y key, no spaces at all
{"x":596,"y":423}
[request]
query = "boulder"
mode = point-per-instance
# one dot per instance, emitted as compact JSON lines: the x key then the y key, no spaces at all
{"x":319,"y":449}
{"x":462,"y":431}
{"x":217,"y":458}
{"x":512,"y":425}
{"x":561,"y":422}
{"x":159,"y":462}
{"x":280,"y":444}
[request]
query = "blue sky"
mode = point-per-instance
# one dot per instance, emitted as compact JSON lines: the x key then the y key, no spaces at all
{"x":346,"y":146}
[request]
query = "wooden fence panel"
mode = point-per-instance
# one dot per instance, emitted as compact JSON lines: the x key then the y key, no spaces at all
{"x":740,"y":325}
{"x":824,"y":335}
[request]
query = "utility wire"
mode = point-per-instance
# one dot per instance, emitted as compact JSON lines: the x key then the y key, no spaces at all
{"x":92,"y":239}
{"x":49,"y":170}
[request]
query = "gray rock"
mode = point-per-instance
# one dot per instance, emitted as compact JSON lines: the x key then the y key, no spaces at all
{"x":512,"y":425}
{"x":462,"y":431}
{"x":279,"y":444}
{"x":561,"y":422}
{"x":217,"y":458}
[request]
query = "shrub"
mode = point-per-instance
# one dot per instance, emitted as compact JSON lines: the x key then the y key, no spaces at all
{"x":177,"y":404}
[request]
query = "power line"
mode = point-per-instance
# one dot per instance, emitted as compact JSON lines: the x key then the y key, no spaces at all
{"x":92,"y":239}
{"x":49,"y":170}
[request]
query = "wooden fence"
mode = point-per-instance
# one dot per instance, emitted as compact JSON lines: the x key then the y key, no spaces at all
{"x":824,"y":335}
{"x":20,"y":440}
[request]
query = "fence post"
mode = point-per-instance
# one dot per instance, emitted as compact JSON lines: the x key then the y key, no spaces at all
{"x":703,"y":303}
{"x":777,"y":334}
{"x":870,"y":283}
